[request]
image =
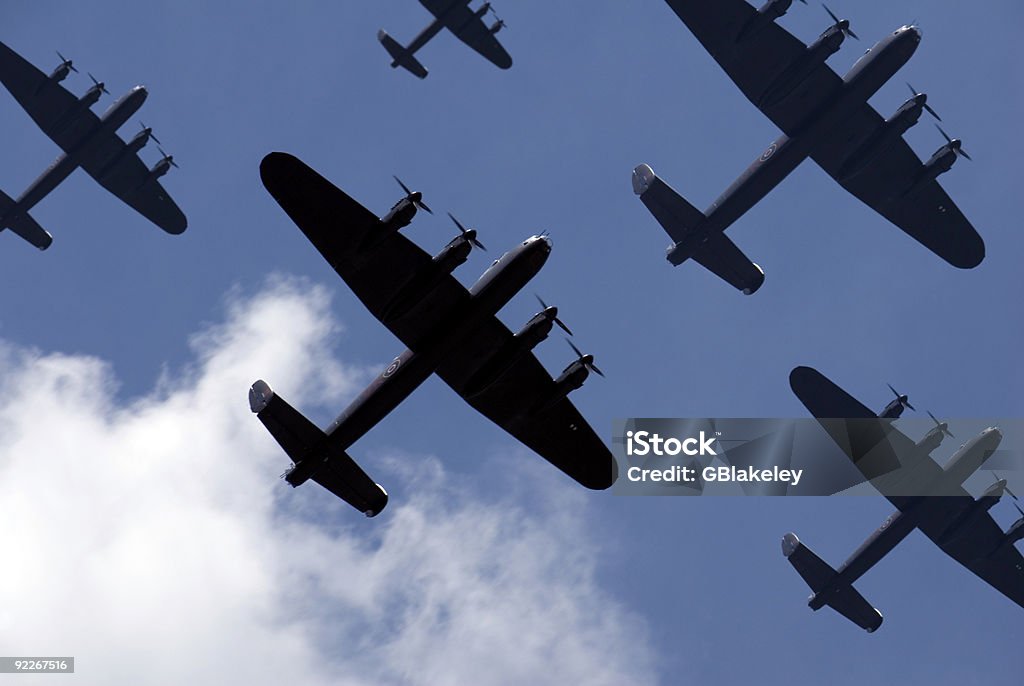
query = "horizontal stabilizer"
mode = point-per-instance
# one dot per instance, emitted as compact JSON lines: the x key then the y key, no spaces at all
{"x":819,"y":575}
{"x":314,"y":458}
{"x":677,"y":216}
{"x":682,"y":222}
{"x":400,"y":55}
{"x":22,"y":223}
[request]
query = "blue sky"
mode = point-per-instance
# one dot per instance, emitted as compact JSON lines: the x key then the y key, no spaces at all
{"x":550,"y":145}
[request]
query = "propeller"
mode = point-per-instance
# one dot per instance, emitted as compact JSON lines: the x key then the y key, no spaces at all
{"x":904,"y":400}
{"x":943,"y":427}
{"x":924,"y":104}
{"x":468,"y":233}
{"x":556,"y":320}
{"x":168,"y":158}
{"x":149,"y":132}
{"x":1006,"y":487}
{"x":65,"y":62}
{"x":954,"y":143}
{"x":415,"y":198}
{"x":99,"y":84}
{"x":587,"y":360}
{"x":500,"y":23}
{"x":842,"y":24}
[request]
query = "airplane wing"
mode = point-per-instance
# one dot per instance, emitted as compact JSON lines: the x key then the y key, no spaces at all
{"x":1003,"y":570}
{"x":926,"y":214}
{"x":45,"y":101}
{"x":558,"y":433}
{"x":340,"y":229}
{"x":756,"y":61}
{"x":129,"y":179}
{"x":470,"y":29}
{"x":884,"y":455}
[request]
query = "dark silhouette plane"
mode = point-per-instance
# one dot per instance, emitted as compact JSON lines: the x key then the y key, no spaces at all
{"x":467,"y":25}
{"x":927,"y":496}
{"x":822,"y":116}
{"x":89,"y":142}
{"x":448,"y":330}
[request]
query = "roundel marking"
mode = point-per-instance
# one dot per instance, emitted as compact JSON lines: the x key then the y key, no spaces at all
{"x":393,"y":367}
{"x":766,"y":155}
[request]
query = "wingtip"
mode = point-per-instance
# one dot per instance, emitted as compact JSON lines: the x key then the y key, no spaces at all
{"x":274,"y":163}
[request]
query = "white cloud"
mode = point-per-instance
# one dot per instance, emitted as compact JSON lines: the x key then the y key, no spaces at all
{"x":153,"y":543}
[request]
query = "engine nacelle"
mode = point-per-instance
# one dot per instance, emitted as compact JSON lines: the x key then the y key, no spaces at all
{"x":416,"y":288}
{"x":963,"y":524}
{"x":1014,"y":533}
{"x":303,"y":471}
{"x":571,"y":378}
{"x":828,"y":44}
{"x":768,"y":13}
{"x":525,"y":340}
{"x":895,"y":126}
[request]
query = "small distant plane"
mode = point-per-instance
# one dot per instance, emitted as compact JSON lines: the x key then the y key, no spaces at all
{"x":927,"y":496}
{"x":823,"y":116}
{"x":89,"y":142}
{"x":449,"y":330}
{"x":467,"y":25}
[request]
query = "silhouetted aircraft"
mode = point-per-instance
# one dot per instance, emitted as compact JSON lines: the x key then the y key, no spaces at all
{"x":448,"y":330}
{"x":822,"y":116}
{"x":468,"y":25}
{"x":89,"y":142}
{"x":927,"y":496}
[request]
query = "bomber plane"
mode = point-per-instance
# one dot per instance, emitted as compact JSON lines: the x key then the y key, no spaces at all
{"x":448,"y":330}
{"x":927,"y":496}
{"x":89,"y":142}
{"x":467,"y":25}
{"x":822,"y":116}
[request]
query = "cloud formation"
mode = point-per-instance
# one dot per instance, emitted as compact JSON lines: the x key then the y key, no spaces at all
{"x":150,"y":539}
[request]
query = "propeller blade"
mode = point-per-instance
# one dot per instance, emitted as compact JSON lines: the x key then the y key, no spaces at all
{"x":558,"y":321}
{"x":574,"y":349}
{"x":1006,"y":484}
{"x":909,"y":406}
{"x":944,"y":134}
{"x":925,"y":105}
{"x":895,"y":392}
{"x":99,"y":84}
{"x":963,"y":153}
{"x":593,"y":368}
{"x":404,"y":187}
{"x":423,"y":206}
{"x":457,"y":222}
{"x":943,"y":428}
{"x":843,"y":24}
{"x":169,"y":158}
{"x":465,"y":231}
{"x":1018,"y":509}
{"x":65,"y":62}
{"x":151,"y":134}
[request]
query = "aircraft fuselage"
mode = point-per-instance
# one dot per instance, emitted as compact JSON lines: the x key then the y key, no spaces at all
{"x":495,"y":287}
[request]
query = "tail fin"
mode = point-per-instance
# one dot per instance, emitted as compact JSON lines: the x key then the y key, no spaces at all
{"x":819,"y":575}
{"x":683,"y":223}
{"x":401,"y":56}
{"x":309,"y":449}
{"x":22,"y":224}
